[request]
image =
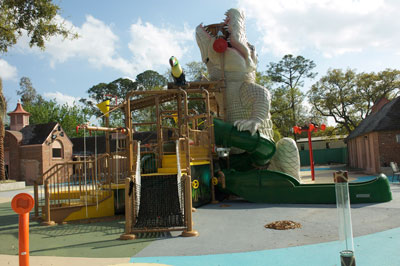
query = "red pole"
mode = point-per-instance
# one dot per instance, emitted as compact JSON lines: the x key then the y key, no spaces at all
{"x":311,"y":156}
{"x":311,"y":127}
{"x":23,"y":204}
{"x":23,"y":237}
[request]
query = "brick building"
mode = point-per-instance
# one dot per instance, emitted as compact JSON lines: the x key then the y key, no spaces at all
{"x":30,"y":150}
{"x":376,"y":141}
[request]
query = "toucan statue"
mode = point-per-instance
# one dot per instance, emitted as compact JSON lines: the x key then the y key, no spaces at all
{"x":177,"y":72}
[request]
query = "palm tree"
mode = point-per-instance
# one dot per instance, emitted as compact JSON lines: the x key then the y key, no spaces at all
{"x":3,"y":110}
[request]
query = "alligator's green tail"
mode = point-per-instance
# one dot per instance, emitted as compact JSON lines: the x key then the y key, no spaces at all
{"x":276,"y":187}
{"x":260,"y":149}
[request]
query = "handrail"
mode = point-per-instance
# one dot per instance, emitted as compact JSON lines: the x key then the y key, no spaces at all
{"x":69,"y":162}
{"x":210,"y":128}
{"x":64,"y":185}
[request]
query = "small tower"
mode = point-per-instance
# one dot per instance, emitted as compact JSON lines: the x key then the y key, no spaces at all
{"x":19,"y":118}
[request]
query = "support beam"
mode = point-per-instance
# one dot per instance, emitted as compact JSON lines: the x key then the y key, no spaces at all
{"x":128,"y":212}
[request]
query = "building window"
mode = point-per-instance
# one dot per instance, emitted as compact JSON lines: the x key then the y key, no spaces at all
{"x":57,"y":150}
{"x":328,"y":145}
{"x":302,"y":147}
{"x":398,"y":138}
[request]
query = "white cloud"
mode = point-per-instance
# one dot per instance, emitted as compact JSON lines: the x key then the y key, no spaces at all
{"x":7,"y":71}
{"x":62,"y":98}
{"x":152,"y":46}
{"x":331,"y":27}
{"x":97,"y":43}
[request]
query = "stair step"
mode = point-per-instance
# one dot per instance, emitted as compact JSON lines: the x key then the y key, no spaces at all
{"x":167,"y":170}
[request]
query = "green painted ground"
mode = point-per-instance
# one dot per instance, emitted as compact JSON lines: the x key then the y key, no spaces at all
{"x":95,"y":240}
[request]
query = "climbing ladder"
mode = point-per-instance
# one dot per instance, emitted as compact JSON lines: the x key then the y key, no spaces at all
{"x":159,"y":202}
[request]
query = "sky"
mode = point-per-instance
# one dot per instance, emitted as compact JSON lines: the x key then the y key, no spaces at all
{"x":123,"y":38}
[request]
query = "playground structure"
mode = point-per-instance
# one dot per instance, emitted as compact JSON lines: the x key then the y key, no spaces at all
{"x":225,"y":143}
{"x":95,"y":186}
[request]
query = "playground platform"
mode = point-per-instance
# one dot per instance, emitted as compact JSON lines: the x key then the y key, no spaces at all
{"x":231,"y":233}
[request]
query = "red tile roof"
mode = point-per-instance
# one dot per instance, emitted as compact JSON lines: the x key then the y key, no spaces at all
{"x":19,"y":110}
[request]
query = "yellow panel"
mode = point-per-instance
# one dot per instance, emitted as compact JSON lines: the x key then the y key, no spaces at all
{"x":153,"y":174}
{"x":105,"y":208}
{"x":167,"y":170}
{"x":65,"y":195}
{"x":114,"y":186}
{"x":200,"y":163}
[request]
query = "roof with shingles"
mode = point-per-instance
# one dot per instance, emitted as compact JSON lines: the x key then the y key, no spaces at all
{"x":387,"y":118}
{"x":36,"y":134}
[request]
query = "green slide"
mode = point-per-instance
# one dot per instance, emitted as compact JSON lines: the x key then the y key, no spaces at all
{"x":266,"y":186}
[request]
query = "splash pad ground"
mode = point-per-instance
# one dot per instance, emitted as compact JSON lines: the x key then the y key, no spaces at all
{"x":231,"y":233}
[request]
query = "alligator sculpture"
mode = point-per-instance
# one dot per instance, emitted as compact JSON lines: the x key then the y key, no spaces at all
{"x":247,"y":103}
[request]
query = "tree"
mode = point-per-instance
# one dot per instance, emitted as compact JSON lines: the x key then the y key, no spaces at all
{"x":263,"y":80}
{"x":289,"y":73}
{"x":150,"y":80}
{"x":374,"y":86}
{"x":348,"y":97}
{"x":68,"y":117}
{"x":147,"y":80}
{"x":3,"y":110}
{"x":36,"y":18}
{"x":195,"y":71}
{"x":27,"y":91}
{"x":117,"y":88}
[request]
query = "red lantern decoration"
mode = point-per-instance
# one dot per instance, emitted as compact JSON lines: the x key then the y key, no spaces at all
{"x":220,"y":45}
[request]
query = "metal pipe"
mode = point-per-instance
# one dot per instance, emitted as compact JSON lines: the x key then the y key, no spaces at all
{"x":169,"y":91}
{"x":128,"y":124}
{"x":311,"y":156}
{"x":105,"y":129}
{"x":186,"y":124}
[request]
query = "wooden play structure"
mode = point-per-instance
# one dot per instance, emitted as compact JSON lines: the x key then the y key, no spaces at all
{"x":153,"y":182}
